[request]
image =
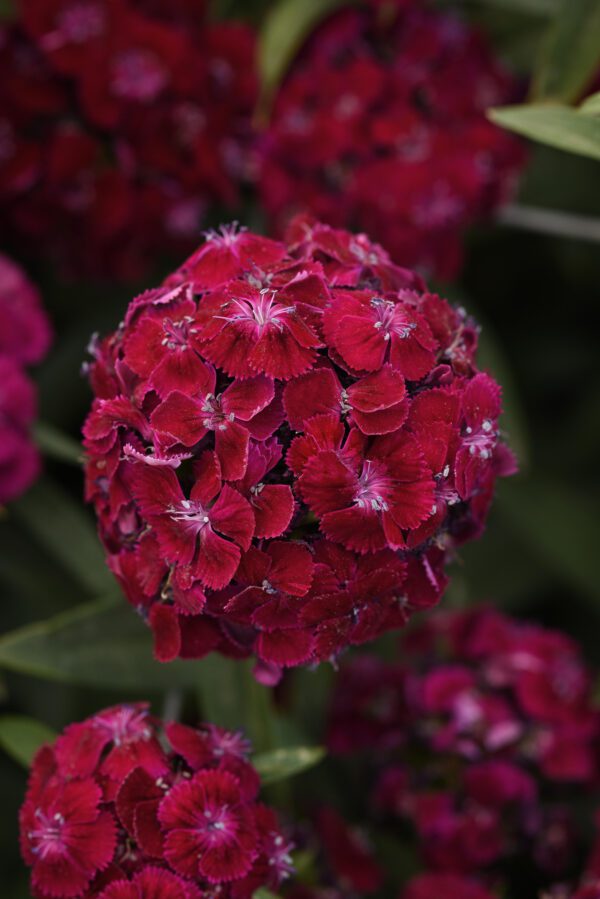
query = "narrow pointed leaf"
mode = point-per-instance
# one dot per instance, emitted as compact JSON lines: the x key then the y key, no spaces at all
{"x":21,"y":737}
{"x":571,"y":52}
{"x":283,"y":763}
{"x":57,"y":445}
{"x":558,"y":126}
{"x":591,"y":105}
{"x":63,"y":528}
{"x":98,"y":644}
{"x":286,"y":27}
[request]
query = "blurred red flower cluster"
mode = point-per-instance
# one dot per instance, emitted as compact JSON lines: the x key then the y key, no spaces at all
{"x":124,"y":807}
{"x":24,"y":340}
{"x":286,"y":443}
{"x":121,"y":124}
{"x":380,"y":125}
{"x":479,"y":737}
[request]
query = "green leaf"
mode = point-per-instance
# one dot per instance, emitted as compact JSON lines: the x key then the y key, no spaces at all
{"x":231,"y":697}
{"x":591,"y":105}
{"x":57,"y":445}
{"x":557,"y":126}
{"x":98,"y":644}
{"x":63,"y":528}
{"x":7,"y":10}
{"x":571,"y":52}
{"x":21,"y":737}
{"x":284,"y":31}
{"x":283,"y":763}
{"x":560,"y":526}
{"x":264,"y":893}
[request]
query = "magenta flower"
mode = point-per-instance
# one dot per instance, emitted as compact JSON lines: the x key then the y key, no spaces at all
{"x":206,"y":531}
{"x":391,"y":137}
{"x":480,"y":738}
{"x":433,"y":886}
{"x":24,"y":340}
{"x":65,"y":837}
{"x":209,"y":831}
{"x":124,"y":808}
{"x":287,"y":443}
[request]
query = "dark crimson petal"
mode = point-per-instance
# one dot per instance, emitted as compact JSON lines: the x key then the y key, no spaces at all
{"x":359,"y":343}
{"x":378,"y":391}
{"x":181,"y":417}
{"x":217,"y":560}
{"x":165,"y":627}
{"x":232,"y":515}
{"x":285,"y":648}
{"x":316,"y":392}
{"x":327,"y":484}
{"x":247,"y":398}
{"x":180,"y":369}
{"x":273,"y":507}
{"x":384,"y":421}
{"x":292,"y":567}
{"x":231,"y":445}
{"x":357,"y":529}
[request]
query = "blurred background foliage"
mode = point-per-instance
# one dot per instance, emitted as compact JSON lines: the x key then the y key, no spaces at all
{"x":534,"y":288}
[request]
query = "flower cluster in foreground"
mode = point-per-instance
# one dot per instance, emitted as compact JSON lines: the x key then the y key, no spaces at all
{"x":286,"y":443}
{"x":124,"y":807}
{"x":381,"y":125}
{"x":24,"y":340}
{"x":482,"y":738}
{"x":122,"y":123}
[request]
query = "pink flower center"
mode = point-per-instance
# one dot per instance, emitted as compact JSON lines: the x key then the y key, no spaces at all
{"x":216,"y":824}
{"x":177,"y":334}
{"x":216,"y":419}
{"x":47,"y":838}
{"x":482,"y":441}
{"x":261,"y":311}
{"x":391,"y":318}
{"x":80,"y":22}
{"x":124,"y":726}
{"x":191,"y":513}
{"x":373,"y":485}
{"x":227,"y":235}
{"x":138,"y":75}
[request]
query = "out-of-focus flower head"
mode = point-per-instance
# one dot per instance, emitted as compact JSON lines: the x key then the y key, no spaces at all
{"x":122,"y":125}
{"x":123,"y":806}
{"x":286,"y":443}
{"x":483,"y":735}
{"x":24,"y":340}
{"x":380,"y":125}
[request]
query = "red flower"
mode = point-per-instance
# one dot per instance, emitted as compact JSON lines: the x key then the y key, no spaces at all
{"x":367,"y":506}
{"x":151,"y":883}
{"x":205,"y":531}
{"x":65,"y":837}
{"x":312,"y":394}
{"x":114,"y":808}
{"x":433,"y":886}
{"x":209,"y":832}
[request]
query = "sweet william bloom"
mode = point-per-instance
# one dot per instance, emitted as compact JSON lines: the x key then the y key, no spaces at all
{"x":287,"y":442}
{"x":434,"y":886}
{"x":122,"y":124}
{"x":391,"y":134}
{"x":115,"y":807}
{"x":24,"y":340}
{"x":480,"y":738}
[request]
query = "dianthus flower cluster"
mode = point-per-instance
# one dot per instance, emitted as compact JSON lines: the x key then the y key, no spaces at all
{"x":24,"y":340}
{"x":381,"y":125}
{"x":124,"y":807}
{"x":121,"y":124}
{"x":484,"y":736}
{"x":286,"y":443}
